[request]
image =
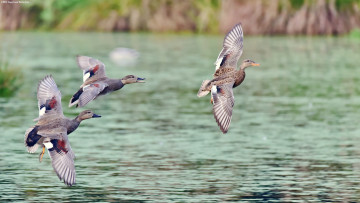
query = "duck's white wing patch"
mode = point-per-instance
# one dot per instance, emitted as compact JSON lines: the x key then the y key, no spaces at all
{"x":85,"y":76}
{"x":219,"y":59}
{"x":42,"y":111}
{"x":92,"y":68}
{"x":213,"y":89}
{"x":49,"y":97}
{"x":48,"y":145}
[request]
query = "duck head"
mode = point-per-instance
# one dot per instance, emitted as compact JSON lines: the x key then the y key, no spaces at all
{"x":248,"y":63}
{"x":87,"y":114}
{"x":132,"y":79}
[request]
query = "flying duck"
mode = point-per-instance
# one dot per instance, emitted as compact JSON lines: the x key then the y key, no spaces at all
{"x":52,"y":129}
{"x":95,"y":82}
{"x":226,"y":77}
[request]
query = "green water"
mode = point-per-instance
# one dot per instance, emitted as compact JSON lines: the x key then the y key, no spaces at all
{"x":294,"y":134}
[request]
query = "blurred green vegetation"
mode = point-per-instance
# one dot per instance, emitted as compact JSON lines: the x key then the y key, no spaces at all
{"x":340,"y":4}
{"x":355,"y":33}
{"x":10,"y":80}
{"x":184,"y":15}
{"x":296,"y":4}
{"x":344,"y":4}
{"x":87,"y":15}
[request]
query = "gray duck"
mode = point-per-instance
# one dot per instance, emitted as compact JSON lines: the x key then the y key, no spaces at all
{"x":95,"y":82}
{"x":226,"y":77}
{"x":52,"y":129}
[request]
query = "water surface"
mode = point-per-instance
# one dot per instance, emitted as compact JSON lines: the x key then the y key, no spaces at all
{"x":294,"y":134}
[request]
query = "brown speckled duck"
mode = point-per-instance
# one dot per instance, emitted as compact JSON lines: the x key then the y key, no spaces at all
{"x":226,"y":78}
{"x":95,"y":83}
{"x":52,"y":129}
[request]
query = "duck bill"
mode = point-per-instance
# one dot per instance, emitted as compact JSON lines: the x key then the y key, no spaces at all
{"x":141,"y":80}
{"x":96,"y":116}
{"x":255,"y":64}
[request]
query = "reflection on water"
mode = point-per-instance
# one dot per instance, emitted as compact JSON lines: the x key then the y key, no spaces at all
{"x":294,"y":133}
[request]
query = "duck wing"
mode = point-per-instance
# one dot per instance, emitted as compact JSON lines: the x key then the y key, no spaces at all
{"x":232,"y":48}
{"x":90,"y":92}
{"x":93,"y":69}
{"x":223,"y":103}
{"x":52,"y":133}
{"x":49,"y":98}
{"x":61,"y":154}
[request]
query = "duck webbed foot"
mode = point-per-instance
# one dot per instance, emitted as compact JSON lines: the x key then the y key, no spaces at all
{"x":42,"y":154}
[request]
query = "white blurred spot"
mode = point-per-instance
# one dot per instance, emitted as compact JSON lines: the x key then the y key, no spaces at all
{"x":124,"y":56}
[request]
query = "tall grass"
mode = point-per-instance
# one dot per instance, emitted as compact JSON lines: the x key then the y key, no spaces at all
{"x":10,"y":80}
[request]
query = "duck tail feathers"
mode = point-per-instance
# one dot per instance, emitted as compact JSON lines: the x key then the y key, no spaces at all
{"x":31,"y":139}
{"x":203,"y":91}
{"x":75,"y":98}
{"x":73,"y":103}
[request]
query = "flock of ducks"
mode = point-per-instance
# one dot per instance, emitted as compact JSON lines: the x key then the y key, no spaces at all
{"x":52,"y":128}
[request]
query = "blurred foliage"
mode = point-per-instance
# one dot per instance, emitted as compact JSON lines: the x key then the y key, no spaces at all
{"x":209,"y":12}
{"x":296,"y":4}
{"x":50,"y":12}
{"x":355,"y":33}
{"x":96,"y":14}
{"x":10,"y":80}
{"x":343,"y":4}
{"x":340,"y":4}
{"x":172,"y":15}
{"x":88,"y":14}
